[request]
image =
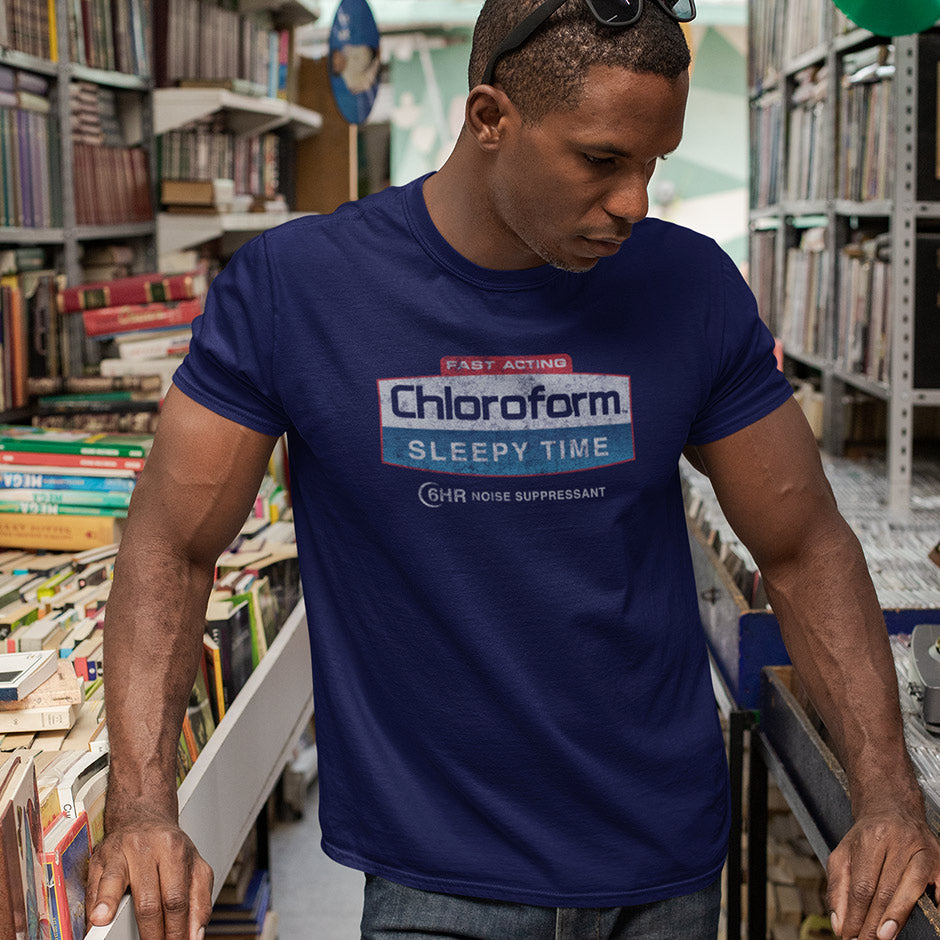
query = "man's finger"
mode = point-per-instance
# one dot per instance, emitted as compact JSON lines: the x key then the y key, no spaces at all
{"x":838,"y":891}
{"x":905,"y":896}
{"x":865,"y":873}
{"x":148,"y":902}
{"x":106,"y":887}
{"x":200,"y":907}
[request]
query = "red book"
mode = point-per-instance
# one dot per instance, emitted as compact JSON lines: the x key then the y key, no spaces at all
{"x":104,"y":321}
{"x":34,"y":459}
{"x":138,"y":289}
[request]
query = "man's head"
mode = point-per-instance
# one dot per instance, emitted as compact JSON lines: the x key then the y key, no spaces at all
{"x":547,"y":72}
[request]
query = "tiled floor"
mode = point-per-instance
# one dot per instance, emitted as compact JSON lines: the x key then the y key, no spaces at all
{"x":316,"y":899}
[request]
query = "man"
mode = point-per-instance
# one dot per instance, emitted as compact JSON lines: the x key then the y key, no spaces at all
{"x":488,"y":378}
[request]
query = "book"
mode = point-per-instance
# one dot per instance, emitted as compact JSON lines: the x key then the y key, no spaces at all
{"x":25,"y":438}
{"x":91,"y":384}
{"x":71,"y":781}
{"x":199,"y":716}
{"x":229,"y":625}
{"x":21,"y":673}
{"x":43,"y":718}
{"x":245,"y":919}
{"x":74,"y":461}
{"x":212,"y":657}
{"x":108,"y":321}
{"x":21,"y":852}
{"x":138,"y":289}
{"x":153,"y":345}
{"x":63,"y":687}
{"x":34,"y":478}
{"x":187,"y":192}
{"x":67,"y":848}
{"x":58,"y":533}
{"x":90,"y":799}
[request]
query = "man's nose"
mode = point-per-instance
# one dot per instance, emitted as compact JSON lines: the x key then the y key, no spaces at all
{"x":629,"y":199}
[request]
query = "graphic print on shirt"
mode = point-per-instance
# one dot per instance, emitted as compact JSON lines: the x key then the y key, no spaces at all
{"x":506,"y":416}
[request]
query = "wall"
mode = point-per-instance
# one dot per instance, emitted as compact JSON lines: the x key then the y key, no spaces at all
{"x":703,"y":185}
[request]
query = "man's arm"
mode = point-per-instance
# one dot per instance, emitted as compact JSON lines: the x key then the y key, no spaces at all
{"x":192,"y":498}
{"x":772,"y":489}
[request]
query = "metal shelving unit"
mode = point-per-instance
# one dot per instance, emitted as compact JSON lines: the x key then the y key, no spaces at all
{"x":900,"y":213}
{"x":74,"y":235}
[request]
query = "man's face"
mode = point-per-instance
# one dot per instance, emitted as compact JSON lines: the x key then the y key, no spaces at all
{"x":568,"y":191}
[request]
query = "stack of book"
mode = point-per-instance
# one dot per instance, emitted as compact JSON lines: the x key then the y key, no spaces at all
{"x":248,"y":918}
{"x":866,"y":128}
{"x":53,"y":734}
{"x":66,"y":490}
{"x":864,"y":335}
{"x":112,"y":182}
{"x":807,"y":143}
{"x":806,"y":294}
{"x":140,"y":324}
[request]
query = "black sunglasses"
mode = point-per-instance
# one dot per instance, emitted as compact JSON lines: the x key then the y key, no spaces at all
{"x":606,"y":12}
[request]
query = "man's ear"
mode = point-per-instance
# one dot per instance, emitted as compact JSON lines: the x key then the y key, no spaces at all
{"x":487,"y":113}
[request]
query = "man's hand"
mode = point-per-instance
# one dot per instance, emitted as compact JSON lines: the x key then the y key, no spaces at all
{"x":877,"y":873}
{"x":171,"y":884}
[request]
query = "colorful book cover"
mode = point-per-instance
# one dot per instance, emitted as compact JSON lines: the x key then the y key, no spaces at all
{"x":59,"y":509}
{"x":71,"y":497}
{"x":76,"y":461}
{"x":38,"y":479}
{"x":66,"y":866}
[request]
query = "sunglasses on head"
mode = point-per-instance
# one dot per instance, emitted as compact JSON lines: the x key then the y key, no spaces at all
{"x":606,"y":12}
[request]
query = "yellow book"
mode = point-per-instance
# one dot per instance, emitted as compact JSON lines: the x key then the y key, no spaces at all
{"x":57,"y":533}
{"x":53,"y":34}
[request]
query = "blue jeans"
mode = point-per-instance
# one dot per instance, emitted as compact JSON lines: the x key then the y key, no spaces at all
{"x":394,"y":912}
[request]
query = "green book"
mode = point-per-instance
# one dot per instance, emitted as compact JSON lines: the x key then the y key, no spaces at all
{"x":58,"y":509}
{"x":28,"y":439}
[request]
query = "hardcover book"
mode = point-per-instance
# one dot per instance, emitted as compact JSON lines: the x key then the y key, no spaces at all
{"x":138,"y":289}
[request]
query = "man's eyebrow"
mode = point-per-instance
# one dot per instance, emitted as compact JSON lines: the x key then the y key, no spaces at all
{"x":615,"y":151}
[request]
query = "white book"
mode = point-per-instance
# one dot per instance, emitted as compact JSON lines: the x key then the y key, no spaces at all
{"x":20,"y":673}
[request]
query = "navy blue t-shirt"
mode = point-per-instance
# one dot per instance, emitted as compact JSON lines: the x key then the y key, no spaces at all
{"x":512,"y":691}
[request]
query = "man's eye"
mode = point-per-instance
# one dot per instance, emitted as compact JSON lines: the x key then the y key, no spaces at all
{"x":597,"y":161}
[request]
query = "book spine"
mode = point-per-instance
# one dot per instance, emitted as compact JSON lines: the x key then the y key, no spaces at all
{"x":12,"y":481}
{"x":141,"y":289}
{"x":106,"y":321}
{"x":32,"y":458}
{"x":49,"y":499}
{"x":59,"y":509}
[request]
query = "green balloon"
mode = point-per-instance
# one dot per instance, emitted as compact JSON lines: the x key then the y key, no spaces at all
{"x":892,"y":17}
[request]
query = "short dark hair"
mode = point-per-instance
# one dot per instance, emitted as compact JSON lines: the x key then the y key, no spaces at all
{"x":547,"y":72}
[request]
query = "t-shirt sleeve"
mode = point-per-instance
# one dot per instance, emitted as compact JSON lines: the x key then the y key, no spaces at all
{"x":230,"y":365}
{"x":746,"y":384}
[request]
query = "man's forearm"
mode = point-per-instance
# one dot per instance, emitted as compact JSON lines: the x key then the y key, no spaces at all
{"x":834,"y":630}
{"x":152,"y":643}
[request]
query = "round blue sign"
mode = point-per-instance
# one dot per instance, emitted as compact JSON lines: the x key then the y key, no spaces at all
{"x":354,"y":60}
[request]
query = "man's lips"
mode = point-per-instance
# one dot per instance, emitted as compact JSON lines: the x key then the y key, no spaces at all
{"x":604,"y":246}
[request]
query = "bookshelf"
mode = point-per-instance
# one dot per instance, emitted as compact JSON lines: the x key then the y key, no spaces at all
{"x":226,"y":790}
{"x":64,"y":65}
{"x":244,"y":116}
{"x":845,"y":197}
